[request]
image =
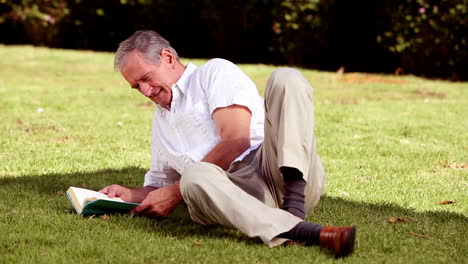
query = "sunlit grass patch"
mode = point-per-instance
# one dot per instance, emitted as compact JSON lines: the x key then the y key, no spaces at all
{"x":392,"y":146}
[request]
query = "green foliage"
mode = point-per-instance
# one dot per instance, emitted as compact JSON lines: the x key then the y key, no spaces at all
{"x":292,"y":15}
{"x":57,"y":22}
{"x":430,"y":35}
{"x":45,"y":12}
{"x":427,"y":37}
{"x":40,"y":19}
{"x":297,"y":24}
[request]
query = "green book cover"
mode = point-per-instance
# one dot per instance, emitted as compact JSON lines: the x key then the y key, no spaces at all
{"x":88,"y":202}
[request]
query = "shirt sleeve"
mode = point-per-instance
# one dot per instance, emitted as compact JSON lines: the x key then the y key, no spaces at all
{"x":158,"y":178}
{"x":228,"y":85}
{"x":160,"y":173}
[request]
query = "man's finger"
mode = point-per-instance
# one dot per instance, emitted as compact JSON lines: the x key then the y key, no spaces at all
{"x":153,"y":214}
{"x":141,"y":208}
{"x":104,"y":190}
{"x":111,"y":193}
{"x":114,"y":191}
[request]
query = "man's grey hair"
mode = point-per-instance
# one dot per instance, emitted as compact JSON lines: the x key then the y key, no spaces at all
{"x":148,"y":43}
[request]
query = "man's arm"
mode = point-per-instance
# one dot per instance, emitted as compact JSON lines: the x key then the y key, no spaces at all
{"x":233,"y":125}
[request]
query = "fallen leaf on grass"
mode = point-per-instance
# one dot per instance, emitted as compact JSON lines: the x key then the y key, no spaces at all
{"x":58,"y":193}
{"x":196,"y":242}
{"x":63,"y":139}
{"x":395,"y":219}
{"x":364,"y":179}
{"x":40,"y":128}
{"x":451,"y":165}
{"x":454,"y":165}
{"x":417,"y":235}
{"x":400,"y":219}
{"x":365,"y":78}
{"x":445,"y":202}
{"x":105,"y":217}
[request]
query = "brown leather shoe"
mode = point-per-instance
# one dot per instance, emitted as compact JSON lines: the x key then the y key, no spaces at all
{"x":340,"y":239}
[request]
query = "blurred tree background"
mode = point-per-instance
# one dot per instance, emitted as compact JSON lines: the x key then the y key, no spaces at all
{"x":423,"y":37}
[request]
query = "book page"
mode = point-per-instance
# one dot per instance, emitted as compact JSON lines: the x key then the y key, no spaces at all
{"x":83,"y":194}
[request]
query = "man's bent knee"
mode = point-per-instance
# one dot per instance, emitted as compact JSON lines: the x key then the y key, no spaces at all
{"x":288,"y":78}
{"x":285,"y":75}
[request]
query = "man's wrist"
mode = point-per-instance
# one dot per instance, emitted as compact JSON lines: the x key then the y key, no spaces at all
{"x":139,"y":194}
{"x":147,"y":189}
{"x":177,"y":191}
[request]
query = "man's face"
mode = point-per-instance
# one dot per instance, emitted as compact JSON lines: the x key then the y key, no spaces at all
{"x":153,"y":81}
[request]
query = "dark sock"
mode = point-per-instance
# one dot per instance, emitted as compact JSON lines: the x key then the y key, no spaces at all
{"x":305,"y":232}
{"x":294,"y":185}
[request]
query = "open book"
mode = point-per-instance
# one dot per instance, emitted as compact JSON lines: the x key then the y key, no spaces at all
{"x":90,"y":202}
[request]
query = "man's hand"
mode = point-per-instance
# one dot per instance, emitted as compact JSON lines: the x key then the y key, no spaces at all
{"x":133,"y":195}
{"x":160,"y":202}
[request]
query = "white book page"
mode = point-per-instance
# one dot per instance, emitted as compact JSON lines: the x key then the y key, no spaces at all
{"x":82,"y":194}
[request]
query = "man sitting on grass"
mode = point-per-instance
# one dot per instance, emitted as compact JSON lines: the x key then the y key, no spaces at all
{"x":235,"y":161}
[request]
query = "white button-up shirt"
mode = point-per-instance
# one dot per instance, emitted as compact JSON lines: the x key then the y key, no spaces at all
{"x":186,"y":133}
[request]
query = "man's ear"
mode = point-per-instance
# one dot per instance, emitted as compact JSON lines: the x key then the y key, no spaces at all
{"x":168,"y":56}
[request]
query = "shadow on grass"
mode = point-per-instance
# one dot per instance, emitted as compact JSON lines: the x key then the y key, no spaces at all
{"x":370,"y":219}
{"x":51,"y":188}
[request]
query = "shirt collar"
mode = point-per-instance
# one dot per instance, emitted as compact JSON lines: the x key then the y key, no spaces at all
{"x":184,"y":80}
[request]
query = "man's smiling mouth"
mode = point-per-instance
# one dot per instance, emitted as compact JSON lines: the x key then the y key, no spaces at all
{"x":155,"y":94}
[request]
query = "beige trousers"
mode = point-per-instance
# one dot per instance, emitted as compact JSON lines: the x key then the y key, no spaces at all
{"x":247,"y":197}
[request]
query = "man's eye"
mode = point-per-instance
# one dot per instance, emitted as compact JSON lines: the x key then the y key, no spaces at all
{"x":146,"y":78}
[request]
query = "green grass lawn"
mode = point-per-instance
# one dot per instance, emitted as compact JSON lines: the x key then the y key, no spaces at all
{"x":392,"y":147}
